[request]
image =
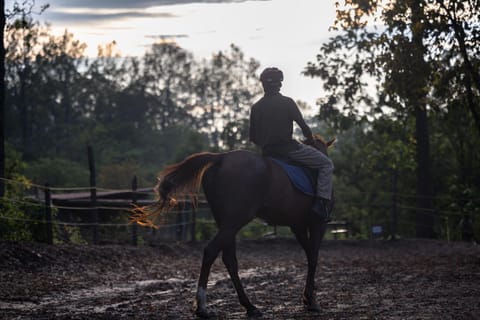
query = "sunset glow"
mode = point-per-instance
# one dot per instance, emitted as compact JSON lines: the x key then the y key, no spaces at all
{"x":284,"y":33}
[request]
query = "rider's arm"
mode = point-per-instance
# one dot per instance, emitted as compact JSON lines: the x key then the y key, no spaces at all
{"x":298,"y":118}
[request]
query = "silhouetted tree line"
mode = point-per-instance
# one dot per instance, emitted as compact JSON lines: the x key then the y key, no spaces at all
{"x":145,"y":111}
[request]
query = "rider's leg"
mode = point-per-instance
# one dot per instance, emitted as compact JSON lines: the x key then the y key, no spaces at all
{"x":313,"y":158}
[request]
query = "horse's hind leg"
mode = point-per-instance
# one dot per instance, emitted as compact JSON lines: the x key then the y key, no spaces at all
{"x":210,"y":253}
{"x":224,"y":241}
{"x":229,"y":258}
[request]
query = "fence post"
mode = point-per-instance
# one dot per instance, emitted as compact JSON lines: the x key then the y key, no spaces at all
{"x":93,"y":194}
{"x":394,"y":205}
{"x":179,"y":221}
{"x":193,"y":222}
{"x":134,"y":202}
{"x":48,"y":215}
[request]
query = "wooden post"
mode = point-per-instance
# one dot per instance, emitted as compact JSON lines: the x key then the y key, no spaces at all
{"x":93,"y":194}
{"x":134,"y":202}
{"x":394,"y":205}
{"x":179,"y":221}
{"x":48,"y":215}
{"x":447,"y":228}
{"x":193,"y":222}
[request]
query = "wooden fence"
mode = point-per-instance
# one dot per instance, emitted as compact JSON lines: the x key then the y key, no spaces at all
{"x":96,"y":216}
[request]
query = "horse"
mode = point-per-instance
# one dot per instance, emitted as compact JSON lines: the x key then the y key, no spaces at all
{"x":239,"y":186}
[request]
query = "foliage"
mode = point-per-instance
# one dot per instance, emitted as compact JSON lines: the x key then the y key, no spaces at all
{"x":254,"y":229}
{"x":225,"y":87}
{"x":401,"y":77}
{"x":150,"y":110}
{"x":403,"y":89}
{"x":205,"y":229}
{"x":58,"y":172}
{"x":15,"y":211}
{"x":138,"y":114}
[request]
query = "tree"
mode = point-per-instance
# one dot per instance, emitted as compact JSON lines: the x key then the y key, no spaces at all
{"x":43,"y":85}
{"x":401,"y":56}
{"x":167,"y":70}
{"x":366,"y":158}
{"x":2,"y":98}
{"x":136,"y":110}
{"x":22,"y":36}
{"x":224,"y":88}
{"x":456,"y":24}
{"x":59,"y":71}
{"x":416,"y":97}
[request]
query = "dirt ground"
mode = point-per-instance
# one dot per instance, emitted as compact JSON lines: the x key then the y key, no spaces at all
{"x":356,"y":280}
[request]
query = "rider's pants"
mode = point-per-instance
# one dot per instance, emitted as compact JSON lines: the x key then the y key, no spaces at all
{"x":313,"y":158}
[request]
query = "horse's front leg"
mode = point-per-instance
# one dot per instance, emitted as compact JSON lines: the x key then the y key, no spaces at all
{"x":229,"y":258}
{"x":317,"y":229}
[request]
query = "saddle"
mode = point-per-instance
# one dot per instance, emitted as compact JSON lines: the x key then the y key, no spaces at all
{"x":304,"y":179}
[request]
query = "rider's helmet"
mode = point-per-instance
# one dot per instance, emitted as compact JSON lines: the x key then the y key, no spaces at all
{"x":271,"y":75}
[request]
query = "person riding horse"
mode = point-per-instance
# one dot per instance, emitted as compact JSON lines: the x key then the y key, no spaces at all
{"x":237,"y":196}
{"x":271,"y":128}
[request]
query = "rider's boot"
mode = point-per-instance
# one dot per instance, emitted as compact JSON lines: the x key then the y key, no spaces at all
{"x":321,"y":208}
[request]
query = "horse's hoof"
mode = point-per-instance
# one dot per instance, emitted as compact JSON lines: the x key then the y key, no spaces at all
{"x":310,"y":305}
{"x":254,"y":313}
{"x":313,"y":307}
{"x":204,"y":314}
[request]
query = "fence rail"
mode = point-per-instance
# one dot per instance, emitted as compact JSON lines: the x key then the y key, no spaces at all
{"x":58,"y":208}
{"x":78,"y":207}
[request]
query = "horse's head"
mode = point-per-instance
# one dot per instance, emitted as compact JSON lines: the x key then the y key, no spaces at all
{"x":319,"y":143}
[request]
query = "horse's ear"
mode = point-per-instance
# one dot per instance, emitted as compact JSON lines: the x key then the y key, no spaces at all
{"x":331,"y":142}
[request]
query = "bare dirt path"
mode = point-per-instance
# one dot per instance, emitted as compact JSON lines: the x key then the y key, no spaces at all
{"x":356,"y":280}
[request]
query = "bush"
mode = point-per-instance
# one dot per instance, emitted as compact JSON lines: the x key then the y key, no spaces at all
{"x":58,"y":172}
{"x":15,"y":224}
{"x":205,"y":229}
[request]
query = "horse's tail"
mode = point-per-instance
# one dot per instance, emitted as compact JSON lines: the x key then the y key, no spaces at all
{"x":184,"y":177}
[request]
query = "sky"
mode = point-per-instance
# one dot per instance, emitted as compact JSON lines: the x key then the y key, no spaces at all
{"x":282,"y":33}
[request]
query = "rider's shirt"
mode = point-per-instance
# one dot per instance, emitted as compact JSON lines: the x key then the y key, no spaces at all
{"x":271,"y":124}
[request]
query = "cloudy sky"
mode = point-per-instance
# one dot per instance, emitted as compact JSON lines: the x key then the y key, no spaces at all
{"x":282,"y":33}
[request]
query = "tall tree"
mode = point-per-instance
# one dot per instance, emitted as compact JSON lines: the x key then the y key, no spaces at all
{"x":58,"y":68}
{"x":225,"y":86}
{"x":43,"y":82}
{"x":456,"y":28}
{"x":417,"y":100}
{"x":22,"y":35}
{"x":167,"y":76}
{"x":2,"y":98}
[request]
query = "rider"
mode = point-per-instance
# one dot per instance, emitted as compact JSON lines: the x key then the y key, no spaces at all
{"x":271,"y":128}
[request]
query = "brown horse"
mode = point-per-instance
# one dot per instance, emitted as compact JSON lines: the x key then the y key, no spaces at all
{"x":239,"y":186}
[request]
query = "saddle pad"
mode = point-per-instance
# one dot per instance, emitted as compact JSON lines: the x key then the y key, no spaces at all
{"x":298,"y":176}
